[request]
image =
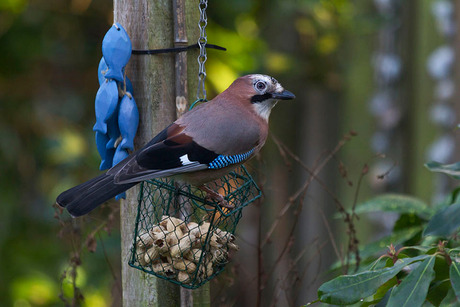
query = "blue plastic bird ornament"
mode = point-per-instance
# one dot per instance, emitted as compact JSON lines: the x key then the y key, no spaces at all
{"x":116,"y":49}
{"x":105,"y":105}
{"x":120,"y":155}
{"x":115,"y":116}
{"x":101,"y":71}
{"x":113,"y":131}
{"x":128,"y":120}
{"x":106,"y":155}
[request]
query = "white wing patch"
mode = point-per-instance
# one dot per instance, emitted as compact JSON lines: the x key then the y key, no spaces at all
{"x":185,"y":161}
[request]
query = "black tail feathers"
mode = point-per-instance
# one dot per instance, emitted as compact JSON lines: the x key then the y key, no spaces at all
{"x":87,"y":196}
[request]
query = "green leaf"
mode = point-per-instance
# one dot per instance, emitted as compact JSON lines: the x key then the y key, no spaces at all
{"x":395,"y":203}
{"x":438,"y":291}
{"x":385,"y":288}
{"x":452,"y":198}
{"x":349,"y":289}
{"x":450,"y":299}
{"x":414,"y":288}
{"x":454,"y":274}
{"x":445,"y":222}
{"x":454,"y":250}
{"x":452,"y":170}
{"x":442,"y":269}
{"x":408,"y":220}
{"x":378,"y":247}
{"x":397,"y":237}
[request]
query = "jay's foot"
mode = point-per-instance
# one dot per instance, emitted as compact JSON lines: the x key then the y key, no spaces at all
{"x":214,"y":196}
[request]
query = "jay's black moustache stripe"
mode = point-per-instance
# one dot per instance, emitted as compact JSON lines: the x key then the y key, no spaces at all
{"x":260,"y":98}
{"x":176,"y":49}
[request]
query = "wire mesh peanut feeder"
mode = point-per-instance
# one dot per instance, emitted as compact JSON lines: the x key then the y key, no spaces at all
{"x":181,"y":236}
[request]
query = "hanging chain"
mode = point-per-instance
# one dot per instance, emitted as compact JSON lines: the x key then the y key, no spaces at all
{"x":201,"y":91}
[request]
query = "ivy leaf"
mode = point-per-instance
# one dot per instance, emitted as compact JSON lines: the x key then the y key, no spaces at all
{"x":414,"y":288}
{"x":349,"y":289}
{"x":395,"y":203}
{"x":452,"y":170}
{"x":454,"y":274}
{"x":445,"y":222}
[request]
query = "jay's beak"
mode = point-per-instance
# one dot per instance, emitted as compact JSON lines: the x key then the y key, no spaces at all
{"x":284,"y":95}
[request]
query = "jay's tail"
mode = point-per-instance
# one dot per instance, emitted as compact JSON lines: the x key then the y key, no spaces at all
{"x":87,"y":196}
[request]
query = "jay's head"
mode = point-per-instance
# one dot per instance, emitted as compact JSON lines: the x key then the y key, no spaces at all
{"x":260,"y":92}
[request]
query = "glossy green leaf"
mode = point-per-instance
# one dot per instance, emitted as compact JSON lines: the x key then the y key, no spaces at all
{"x":380,"y":294}
{"x":349,"y":289}
{"x":383,"y":290}
{"x":452,"y":170}
{"x":438,"y":291}
{"x":452,"y":198}
{"x":450,"y":299}
{"x":414,"y":288}
{"x":380,"y":246}
{"x":445,"y":222}
{"x":442,"y":269}
{"x":395,"y":203}
{"x":406,"y":220}
{"x":394,"y":238}
{"x":383,"y":302}
{"x":454,"y":274}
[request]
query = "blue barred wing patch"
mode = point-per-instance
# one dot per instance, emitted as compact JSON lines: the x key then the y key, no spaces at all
{"x":223,"y":161}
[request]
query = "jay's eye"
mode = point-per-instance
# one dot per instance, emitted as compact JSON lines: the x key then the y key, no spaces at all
{"x":260,"y":85}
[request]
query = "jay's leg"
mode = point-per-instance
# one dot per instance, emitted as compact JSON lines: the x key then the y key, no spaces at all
{"x":213,"y":195}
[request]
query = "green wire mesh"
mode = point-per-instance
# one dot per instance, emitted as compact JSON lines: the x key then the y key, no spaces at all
{"x":183,"y":237}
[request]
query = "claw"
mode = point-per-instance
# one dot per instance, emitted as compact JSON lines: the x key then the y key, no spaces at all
{"x":214,"y":196}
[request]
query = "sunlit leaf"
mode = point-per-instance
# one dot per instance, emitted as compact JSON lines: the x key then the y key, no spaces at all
{"x":278,"y":62}
{"x":349,"y":289}
{"x":15,"y":6}
{"x":95,"y":299}
{"x":36,"y":288}
{"x":452,"y":170}
{"x":454,"y":274}
{"x":414,"y":288}
{"x":395,"y":203}
{"x":445,"y":222}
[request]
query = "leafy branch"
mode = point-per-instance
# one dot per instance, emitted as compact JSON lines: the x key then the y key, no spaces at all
{"x":425,"y":267}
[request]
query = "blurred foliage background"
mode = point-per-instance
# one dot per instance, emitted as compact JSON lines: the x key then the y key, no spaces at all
{"x":322,"y":50}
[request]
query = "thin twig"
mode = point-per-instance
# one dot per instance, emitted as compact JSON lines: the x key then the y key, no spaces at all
{"x":331,"y":236}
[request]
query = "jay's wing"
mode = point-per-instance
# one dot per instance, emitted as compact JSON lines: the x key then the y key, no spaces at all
{"x":191,"y":144}
{"x":171,"y":152}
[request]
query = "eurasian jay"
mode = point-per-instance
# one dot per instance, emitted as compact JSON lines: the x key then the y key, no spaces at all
{"x":201,"y":146}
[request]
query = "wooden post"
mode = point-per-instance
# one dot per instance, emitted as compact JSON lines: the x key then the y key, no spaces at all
{"x":150,"y":25}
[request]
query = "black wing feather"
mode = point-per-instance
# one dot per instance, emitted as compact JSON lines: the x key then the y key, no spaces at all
{"x":167,"y":154}
{"x":161,"y":157}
